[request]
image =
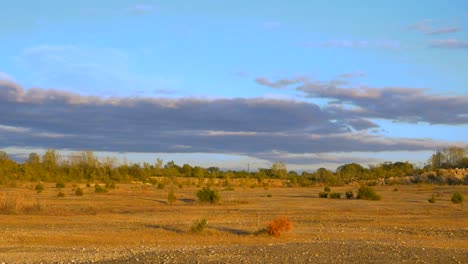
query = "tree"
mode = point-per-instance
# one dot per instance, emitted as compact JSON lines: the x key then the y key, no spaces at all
{"x":454,"y":156}
{"x":351,"y":172}
{"x":279,"y":170}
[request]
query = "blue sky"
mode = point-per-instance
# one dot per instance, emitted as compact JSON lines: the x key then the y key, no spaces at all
{"x":323,"y":66}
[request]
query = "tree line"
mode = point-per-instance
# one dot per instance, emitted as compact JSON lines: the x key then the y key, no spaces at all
{"x":86,"y":167}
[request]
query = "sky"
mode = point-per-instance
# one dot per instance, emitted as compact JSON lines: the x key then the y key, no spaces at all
{"x":235,"y":84}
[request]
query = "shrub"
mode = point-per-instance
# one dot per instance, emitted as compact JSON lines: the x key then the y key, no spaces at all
{"x":60,"y":185}
{"x":349,"y":194}
{"x":39,"y":188}
{"x":161,"y":185}
{"x":278,"y":226}
{"x":79,"y":192}
{"x":206,"y":195}
{"x":199,"y":225}
{"x":367,"y":193}
{"x":269,"y":195}
{"x":110,"y":185}
{"x":323,"y":194}
{"x":171,"y":198}
{"x":457,"y":198}
{"x":335,"y":195}
{"x":60,"y":194}
{"x":326,"y":189}
{"x":87,"y":185}
{"x":99,"y":189}
{"x":432,"y":199}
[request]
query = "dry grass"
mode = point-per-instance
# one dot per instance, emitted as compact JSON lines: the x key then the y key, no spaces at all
{"x":279,"y":225}
{"x":135,"y":215}
{"x":15,"y":203}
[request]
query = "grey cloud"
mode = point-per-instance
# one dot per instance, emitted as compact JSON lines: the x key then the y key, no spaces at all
{"x":395,"y":103}
{"x":441,"y":31}
{"x":314,"y":158}
{"x":281,"y":83}
{"x":449,"y":44}
{"x":38,"y":118}
{"x":426,"y":28}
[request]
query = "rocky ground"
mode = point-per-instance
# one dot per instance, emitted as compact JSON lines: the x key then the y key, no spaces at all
{"x":319,"y":252}
{"x":311,"y":252}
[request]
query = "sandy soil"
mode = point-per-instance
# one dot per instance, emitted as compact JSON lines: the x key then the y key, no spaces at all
{"x":135,"y":224}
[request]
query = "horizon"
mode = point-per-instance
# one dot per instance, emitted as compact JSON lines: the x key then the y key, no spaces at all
{"x":230,"y":84}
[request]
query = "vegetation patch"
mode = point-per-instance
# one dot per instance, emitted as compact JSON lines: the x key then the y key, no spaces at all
{"x":323,"y":195}
{"x":171,"y":197}
{"x":367,"y":193}
{"x":206,"y":195}
{"x":39,"y":187}
{"x":17,"y":204}
{"x":335,"y":195}
{"x":199,"y":225}
{"x":279,"y":225}
{"x":349,"y":194}
{"x":457,"y":198}
{"x":99,"y":189}
{"x":79,"y":192}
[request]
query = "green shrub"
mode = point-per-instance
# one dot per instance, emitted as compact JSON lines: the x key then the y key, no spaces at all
{"x":161,"y":185}
{"x":327,"y":189}
{"x":206,"y":195}
{"x":367,"y":193}
{"x":323,"y":194}
{"x":457,"y":198}
{"x":269,"y":195}
{"x":60,"y":185}
{"x":171,"y":198}
{"x":61,"y":194}
{"x":432,"y":199}
{"x":79,"y":192}
{"x":335,"y":195}
{"x":349,"y":194}
{"x":99,"y":189}
{"x":39,"y":188}
{"x":199,"y":225}
{"x":87,"y":185}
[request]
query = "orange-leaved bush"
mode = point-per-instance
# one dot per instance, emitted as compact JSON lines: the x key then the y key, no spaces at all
{"x":279,"y":225}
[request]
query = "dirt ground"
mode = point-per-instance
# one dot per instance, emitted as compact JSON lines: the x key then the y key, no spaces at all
{"x":134,"y":223}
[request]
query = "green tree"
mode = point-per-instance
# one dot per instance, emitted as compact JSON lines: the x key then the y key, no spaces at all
{"x":279,"y":170}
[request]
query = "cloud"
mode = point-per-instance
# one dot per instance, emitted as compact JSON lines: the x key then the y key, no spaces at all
{"x":6,"y":77}
{"x":449,"y":44}
{"x":384,"y":44}
{"x":426,"y":28}
{"x":441,"y":31}
{"x":399,"y":104}
{"x":315,"y":158}
{"x":40,"y":118}
{"x":281,"y":83}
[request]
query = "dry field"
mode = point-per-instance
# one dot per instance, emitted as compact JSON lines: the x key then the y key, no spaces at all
{"x":134,"y":223}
